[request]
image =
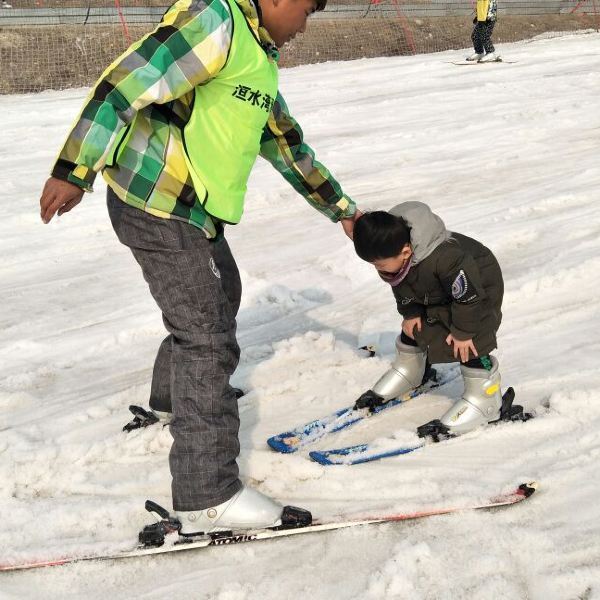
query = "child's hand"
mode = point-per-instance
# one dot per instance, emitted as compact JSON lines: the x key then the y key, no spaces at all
{"x":408,"y":326}
{"x":461,"y":347}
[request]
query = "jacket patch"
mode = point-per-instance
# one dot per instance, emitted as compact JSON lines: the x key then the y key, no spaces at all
{"x":460,"y":285}
{"x":462,"y":289}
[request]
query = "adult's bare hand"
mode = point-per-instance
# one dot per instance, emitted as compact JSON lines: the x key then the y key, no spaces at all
{"x":348,"y":224}
{"x":58,"y":196}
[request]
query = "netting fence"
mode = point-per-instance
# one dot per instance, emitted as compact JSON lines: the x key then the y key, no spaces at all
{"x":57,"y":44}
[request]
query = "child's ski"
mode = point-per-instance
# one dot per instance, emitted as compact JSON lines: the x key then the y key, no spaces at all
{"x":362,"y":453}
{"x":294,"y":440}
{"x":163,"y":536}
{"x":430,"y":433}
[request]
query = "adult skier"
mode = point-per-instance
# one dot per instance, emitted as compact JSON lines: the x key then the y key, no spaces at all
{"x":175,"y":125}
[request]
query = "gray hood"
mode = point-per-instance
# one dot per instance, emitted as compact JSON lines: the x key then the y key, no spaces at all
{"x":427,"y":230}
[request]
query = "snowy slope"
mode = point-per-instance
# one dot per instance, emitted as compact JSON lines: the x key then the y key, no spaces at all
{"x":507,"y":153}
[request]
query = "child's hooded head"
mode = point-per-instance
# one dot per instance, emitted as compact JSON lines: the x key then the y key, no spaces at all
{"x":383,"y":240}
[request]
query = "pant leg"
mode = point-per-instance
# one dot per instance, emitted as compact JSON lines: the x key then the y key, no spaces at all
{"x":487,"y":39}
{"x":434,"y":331}
{"x":477,"y":37}
{"x":196,"y":285}
{"x":160,"y":391}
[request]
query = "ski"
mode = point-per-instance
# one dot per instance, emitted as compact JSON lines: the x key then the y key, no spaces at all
{"x":483,"y":62}
{"x":432,"y":432}
{"x":163,"y":536}
{"x":295,"y":439}
{"x":362,"y":453}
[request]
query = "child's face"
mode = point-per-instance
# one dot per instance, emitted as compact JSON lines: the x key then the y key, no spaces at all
{"x":283,"y":19}
{"x":391,"y":266}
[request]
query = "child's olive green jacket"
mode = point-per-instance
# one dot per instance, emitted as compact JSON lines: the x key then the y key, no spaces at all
{"x":454,"y":285}
{"x":176,"y":123}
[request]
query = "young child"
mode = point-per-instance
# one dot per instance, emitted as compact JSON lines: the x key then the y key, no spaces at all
{"x":484,"y":23}
{"x":448,"y":289}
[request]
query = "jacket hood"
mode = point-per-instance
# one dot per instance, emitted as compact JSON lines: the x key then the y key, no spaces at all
{"x":427,"y":230}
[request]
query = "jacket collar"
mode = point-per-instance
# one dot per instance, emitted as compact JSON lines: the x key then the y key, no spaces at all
{"x":251,"y":10}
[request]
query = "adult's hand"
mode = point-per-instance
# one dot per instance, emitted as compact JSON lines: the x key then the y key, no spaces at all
{"x":348,"y":224}
{"x":58,"y":196}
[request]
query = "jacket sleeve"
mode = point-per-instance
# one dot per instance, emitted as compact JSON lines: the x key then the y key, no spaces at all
{"x":186,"y":49}
{"x":461,"y":280}
{"x":408,"y":308}
{"x":283,"y":146}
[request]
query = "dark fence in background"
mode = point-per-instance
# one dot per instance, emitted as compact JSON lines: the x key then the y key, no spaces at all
{"x":56,"y":44}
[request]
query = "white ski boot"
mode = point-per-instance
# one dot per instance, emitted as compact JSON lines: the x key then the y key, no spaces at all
{"x":476,"y":57}
{"x":491,"y":57}
{"x":248,"y":509}
{"x":407,"y":372}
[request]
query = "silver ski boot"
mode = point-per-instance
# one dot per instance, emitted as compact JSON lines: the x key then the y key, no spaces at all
{"x":409,"y":370}
{"x":246,"y":510}
{"x":482,"y":403}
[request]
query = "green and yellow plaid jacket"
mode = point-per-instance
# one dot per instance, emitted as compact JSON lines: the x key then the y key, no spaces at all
{"x":131,"y":125}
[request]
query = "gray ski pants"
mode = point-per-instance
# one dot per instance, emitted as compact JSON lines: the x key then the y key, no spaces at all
{"x":196,"y":284}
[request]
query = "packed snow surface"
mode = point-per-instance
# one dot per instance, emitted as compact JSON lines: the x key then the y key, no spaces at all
{"x":507,"y":153}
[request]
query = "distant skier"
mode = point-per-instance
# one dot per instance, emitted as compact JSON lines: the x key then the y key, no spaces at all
{"x":482,"y":32}
{"x":448,"y":289}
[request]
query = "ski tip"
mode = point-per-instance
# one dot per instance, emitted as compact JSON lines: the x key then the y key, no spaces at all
{"x":527,"y":489}
{"x":284,"y":444}
{"x":321,"y":457}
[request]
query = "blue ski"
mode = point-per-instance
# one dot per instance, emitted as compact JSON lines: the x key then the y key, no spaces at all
{"x":432,"y":432}
{"x":361,"y":453}
{"x":294,"y":440}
